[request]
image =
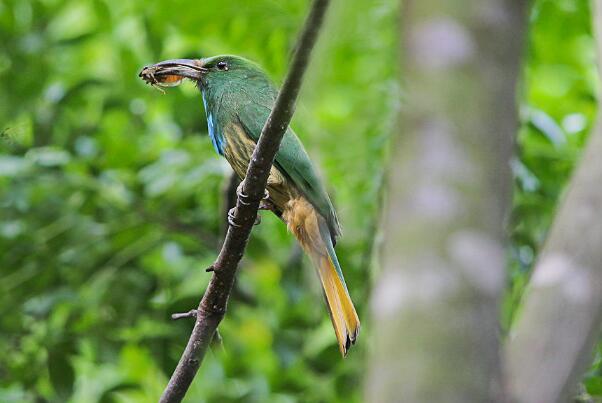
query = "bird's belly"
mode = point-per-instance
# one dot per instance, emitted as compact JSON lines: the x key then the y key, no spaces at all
{"x":238,"y":152}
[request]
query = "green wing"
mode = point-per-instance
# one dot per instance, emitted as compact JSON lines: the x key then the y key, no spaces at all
{"x":292,"y":160}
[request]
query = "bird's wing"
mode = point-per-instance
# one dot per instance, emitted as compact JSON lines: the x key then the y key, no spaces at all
{"x":293,"y":161}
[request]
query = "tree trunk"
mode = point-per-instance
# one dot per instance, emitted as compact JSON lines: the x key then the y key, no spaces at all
{"x":552,"y":342}
{"x":435,"y":305}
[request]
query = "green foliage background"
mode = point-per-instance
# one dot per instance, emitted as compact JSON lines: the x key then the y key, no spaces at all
{"x":111,"y":199}
{"x":111,"y":196}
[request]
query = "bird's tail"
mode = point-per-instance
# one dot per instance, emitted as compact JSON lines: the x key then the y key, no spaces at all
{"x":310,"y":228}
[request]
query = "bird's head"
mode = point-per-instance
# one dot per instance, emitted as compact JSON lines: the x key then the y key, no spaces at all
{"x":211,"y":72}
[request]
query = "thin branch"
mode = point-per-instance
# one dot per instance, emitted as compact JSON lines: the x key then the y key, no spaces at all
{"x":551,"y":344}
{"x":229,"y":198}
{"x":190,"y":314}
{"x":217,"y":342}
{"x":212,"y":307}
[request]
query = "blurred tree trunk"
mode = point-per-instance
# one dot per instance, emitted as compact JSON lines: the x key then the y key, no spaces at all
{"x":552,"y":341}
{"x":435,"y":305}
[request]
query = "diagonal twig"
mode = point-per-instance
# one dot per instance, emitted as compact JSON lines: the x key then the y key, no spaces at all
{"x":212,"y":307}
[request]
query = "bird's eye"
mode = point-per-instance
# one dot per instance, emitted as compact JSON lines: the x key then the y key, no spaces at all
{"x":222,"y":66}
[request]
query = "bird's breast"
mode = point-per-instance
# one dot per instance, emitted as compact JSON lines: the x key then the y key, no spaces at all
{"x":238,"y":151}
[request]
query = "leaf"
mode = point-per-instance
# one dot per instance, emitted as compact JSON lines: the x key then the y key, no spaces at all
{"x":547,"y":126}
{"x":593,"y":386}
{"x":108,"y":395}
{"x":48,"y":156}
{"x":11,"y":166}
{"x":62,"y":375}
{"x":526,"y":178}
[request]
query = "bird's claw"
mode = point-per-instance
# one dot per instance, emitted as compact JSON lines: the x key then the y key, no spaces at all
{"x":242,"y":196}
{"x":231,"y":214}
{"x":266,"y":205}
{"x":245,"y":198}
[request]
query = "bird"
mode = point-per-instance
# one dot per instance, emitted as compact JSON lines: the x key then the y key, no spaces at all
{"x":238,"y":97}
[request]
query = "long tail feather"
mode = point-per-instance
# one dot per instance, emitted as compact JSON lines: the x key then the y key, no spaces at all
{"x":312,"y":232}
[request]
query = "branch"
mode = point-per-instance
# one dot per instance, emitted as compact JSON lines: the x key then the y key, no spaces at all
{"x":228,"y":202}
{"x":212,"y":307}
{"x":552,"y":341}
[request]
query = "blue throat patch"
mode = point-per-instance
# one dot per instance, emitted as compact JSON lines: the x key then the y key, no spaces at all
{"x":218,"y":140}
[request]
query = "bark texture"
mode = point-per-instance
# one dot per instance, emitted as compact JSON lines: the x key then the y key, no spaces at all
{"x":435,"y":305}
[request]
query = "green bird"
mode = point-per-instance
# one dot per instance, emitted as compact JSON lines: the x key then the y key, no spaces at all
{"x":238,"y":98}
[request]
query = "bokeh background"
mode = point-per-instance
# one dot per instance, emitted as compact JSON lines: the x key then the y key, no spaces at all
{"x":111,"y":196}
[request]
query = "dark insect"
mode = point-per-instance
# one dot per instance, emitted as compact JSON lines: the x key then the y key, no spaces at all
{"x":153,"y":76}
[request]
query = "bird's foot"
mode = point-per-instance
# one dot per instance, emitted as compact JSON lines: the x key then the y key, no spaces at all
{"x":242,"y":196}
{"x":231,"y":214}
{"x":245,"y":198}
{"x":266,"y":204}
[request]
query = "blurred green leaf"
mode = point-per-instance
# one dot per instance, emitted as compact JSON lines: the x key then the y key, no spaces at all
{"x":62,"y":375}
{"x":13,"y":166}
{"x":547,"y":126}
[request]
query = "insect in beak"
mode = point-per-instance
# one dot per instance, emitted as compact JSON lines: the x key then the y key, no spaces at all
{"x":170,"y":73}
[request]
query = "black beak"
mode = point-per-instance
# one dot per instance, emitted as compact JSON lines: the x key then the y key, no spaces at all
{"x":185,"y":68}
